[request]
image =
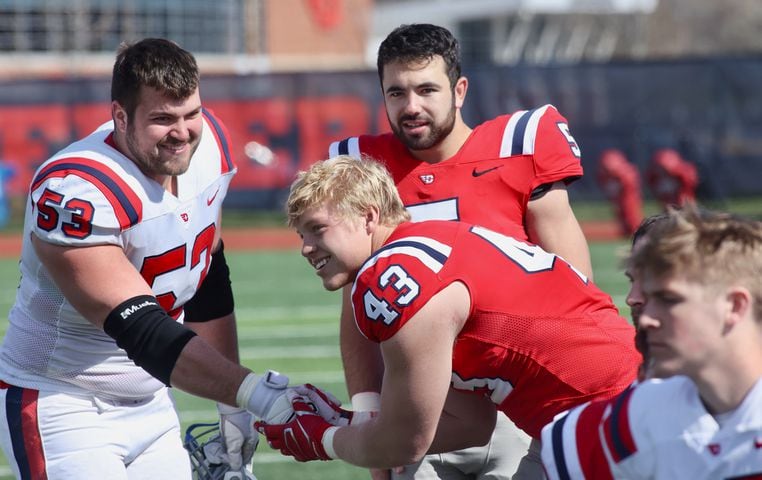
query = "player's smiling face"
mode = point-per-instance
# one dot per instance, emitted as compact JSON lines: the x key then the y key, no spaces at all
{"x":420,"y":103}
{"x":684,"y":324}
{"x":163,"y":133}
{"x":335,"y":246}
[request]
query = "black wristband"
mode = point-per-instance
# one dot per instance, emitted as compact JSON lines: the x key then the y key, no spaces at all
{"x":151,"y":338}
{"x":214,"y":299}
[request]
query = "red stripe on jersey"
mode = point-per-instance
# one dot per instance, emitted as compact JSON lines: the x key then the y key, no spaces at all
{"x":109,"y":140}
{"x":616,"y":428}
{"x":222,"y":137}
{"x":31,"y":431}
{"x":125,"y":202}
{"x":592,"y":460}
{"x":752,"y":476}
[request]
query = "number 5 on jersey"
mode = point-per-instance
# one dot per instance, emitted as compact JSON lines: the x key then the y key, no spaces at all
{"x":572,"y":143}
{"x":400,"y":285}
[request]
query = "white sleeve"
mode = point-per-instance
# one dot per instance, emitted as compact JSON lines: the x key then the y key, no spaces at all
{"x":74,"y":208}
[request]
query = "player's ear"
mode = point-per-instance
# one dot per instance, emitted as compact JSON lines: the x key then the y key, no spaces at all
{"x":738,"y":301}
{"x":461,"y":87}
{"x":119,"y":114}
{"x":372,"y":219}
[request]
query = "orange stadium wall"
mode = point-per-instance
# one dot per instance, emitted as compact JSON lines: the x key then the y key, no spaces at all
{"x":337,"y":29}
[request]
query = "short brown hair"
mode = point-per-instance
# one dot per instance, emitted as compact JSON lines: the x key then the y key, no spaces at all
{"x":155,"y":63}
{"x":706,"y":247}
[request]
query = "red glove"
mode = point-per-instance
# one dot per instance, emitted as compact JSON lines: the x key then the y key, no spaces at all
{"x":326,"y":405}
{"x":302,"y":437}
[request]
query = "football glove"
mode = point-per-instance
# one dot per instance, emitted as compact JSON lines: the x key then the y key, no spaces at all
{"x":307,"y":437}
{"x":329,"y":407}
{"x":258,"y":393}
{"x":239,"y":440}
{"x":325,"y":404}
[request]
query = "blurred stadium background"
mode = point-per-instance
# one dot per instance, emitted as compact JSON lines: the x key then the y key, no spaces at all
{"x":289,"y":76}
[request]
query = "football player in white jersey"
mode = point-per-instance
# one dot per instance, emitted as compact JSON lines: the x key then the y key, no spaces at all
{"x":699,"y":275}
{"x":122,"y":228}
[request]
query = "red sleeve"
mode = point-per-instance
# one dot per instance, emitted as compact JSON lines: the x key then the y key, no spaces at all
{"x":572,"y":447}
{"x":393,"y":286}
{"x":556,"y":152}
{"x":617,"y":432}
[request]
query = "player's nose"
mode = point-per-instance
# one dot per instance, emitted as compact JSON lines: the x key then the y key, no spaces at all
{"x":308,"y":247}
{"x":635,"y":295}
{"x":646,"y":320}
{"x":412,"y":104}
{"x":181,"y":131}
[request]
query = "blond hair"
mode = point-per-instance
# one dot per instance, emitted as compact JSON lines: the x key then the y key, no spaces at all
{"x":348,"y":185}
{"x":710,"y":248}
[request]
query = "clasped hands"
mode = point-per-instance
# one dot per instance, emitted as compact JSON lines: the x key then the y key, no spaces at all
{"x":308,"y":434}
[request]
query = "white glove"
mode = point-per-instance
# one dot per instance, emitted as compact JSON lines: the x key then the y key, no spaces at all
{"x":214,"y":452}
{"x":258,"y":394}
{"x":239,"y":440}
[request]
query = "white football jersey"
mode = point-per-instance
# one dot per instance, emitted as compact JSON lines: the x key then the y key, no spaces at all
{"x":90,"y":194}
{"x":659,"y":429}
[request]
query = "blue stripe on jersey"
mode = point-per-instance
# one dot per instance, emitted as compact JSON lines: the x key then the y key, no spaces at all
{"x":750,"y":476}
{"x":435,"y":254}
{"x":616,"y":435}
{"x":13,"y":404}
{"x":517,"y":148}
{"x":113,"y":187}
{"x":558,"y":448}
{"x":221,"y":135}
{"x":344,"y":147}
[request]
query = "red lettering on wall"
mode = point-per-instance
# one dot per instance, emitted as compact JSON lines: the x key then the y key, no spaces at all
{"x":296,"y":130}
{"x":269,"y":123}
{"x":324,"y":120}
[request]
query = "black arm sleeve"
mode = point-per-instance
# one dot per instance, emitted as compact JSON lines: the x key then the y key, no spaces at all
{"x":214,"y":299}
{"x":151,"y":338}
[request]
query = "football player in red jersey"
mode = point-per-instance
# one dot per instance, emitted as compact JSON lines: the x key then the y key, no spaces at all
{"x":468,"y":320}
{"x":699,"y":277}
{"x":673,"y":180}
{"x":620,"y":181}
{"x":508,"y":174}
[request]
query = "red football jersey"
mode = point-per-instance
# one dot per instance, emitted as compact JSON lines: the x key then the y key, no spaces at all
{"x":490,"y":179}
{"x":540,"y":337}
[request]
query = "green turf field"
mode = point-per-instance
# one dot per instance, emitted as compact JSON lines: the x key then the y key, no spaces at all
{"x":289,"y":323}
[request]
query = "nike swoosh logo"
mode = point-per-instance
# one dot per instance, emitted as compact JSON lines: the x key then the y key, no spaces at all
{"x":211,"y":199}
{"x":479,"y":173}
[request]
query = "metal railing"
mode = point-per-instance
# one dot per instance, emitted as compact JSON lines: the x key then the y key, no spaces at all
{"x":97,"y":26}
